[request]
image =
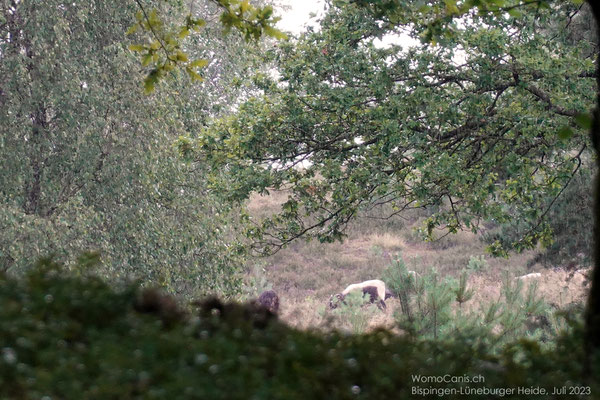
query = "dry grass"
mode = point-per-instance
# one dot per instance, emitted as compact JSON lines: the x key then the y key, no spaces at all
{"x":305,"y":275}
{"x":387,"y":241}
{"x":261,"y":206}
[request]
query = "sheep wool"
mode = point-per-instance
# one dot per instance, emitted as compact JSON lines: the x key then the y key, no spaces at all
{"x":378,"y":284}
{"x":534,"y":275}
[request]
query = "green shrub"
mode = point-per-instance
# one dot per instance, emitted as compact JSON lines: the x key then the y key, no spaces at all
{"x":256,"y":281}
{"x":570,"y":220}
{"x":433,"y":307}
{"x":429,"y":311}
{"x":397,"y":277}
{"x":572,"y":244}
{"x":77,"y":337}
{"x":355,"y":311}
{"x":477,"y":263}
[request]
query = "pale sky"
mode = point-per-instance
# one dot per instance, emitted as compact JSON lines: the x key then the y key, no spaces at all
{"x":295,"y":19}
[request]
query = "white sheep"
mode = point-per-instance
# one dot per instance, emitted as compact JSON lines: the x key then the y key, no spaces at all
{"x":375,"y":288}
{"x":378,"y":284}
{"x":534,"y":275}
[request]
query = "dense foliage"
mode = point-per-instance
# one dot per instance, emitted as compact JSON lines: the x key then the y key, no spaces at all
{"x":76,"y":337}
{"x":474,"y":126}
{"x":88,"y":162}
{"x":572,"y":243}
{"x":165,"y":49}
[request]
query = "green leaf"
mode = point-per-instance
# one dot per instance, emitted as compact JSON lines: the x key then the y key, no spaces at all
{"x":183,"y":33}
{"x":181,"y":56}
{"x":244,"y":6}
{"x":584,"y":120}
{"x":194,"y":75}
{"x":151,"y":79}
{"x":200,"y":63}
{"x":153,"y":19}
{"x":565,"y":133}
{"x":451,"y":7}
{"x":275,"y":33}
{"x":148,"y":85}
{"x":424,"y":8}
{"x":132,"y":29}
{"x":513,"y":12}
{"x":198,"y":24}
{"x":136,"y":47}
{"x":544,"y":4}
{"x":146,"y":59}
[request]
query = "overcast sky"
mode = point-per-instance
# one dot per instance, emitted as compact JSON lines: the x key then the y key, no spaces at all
{"x":297,"y":16}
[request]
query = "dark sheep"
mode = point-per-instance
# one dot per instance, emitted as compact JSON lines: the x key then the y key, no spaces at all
{"x":269,"y":300}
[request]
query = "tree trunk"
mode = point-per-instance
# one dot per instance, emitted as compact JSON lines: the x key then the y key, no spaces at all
{"x":33,"y":185}
{"x":592,"y":318}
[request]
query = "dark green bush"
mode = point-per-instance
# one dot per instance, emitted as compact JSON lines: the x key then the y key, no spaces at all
{"x":569,"y":218}
{"x":65,"y":337}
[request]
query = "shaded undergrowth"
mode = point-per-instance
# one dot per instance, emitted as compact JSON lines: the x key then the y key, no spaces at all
{"x":76,"y":337}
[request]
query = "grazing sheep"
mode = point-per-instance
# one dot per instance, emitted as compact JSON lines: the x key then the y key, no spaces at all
{"x":534,"y":275}
{"x":269,"y":300}
{"x":375,"y":288}
{"x":376,"y":283}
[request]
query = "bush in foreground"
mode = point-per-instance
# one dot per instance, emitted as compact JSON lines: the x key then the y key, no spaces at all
{"x":72,"y":337}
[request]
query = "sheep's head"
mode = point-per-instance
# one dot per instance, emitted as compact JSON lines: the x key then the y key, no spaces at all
{"x":335,"y":300}
{"x":389,"y":293}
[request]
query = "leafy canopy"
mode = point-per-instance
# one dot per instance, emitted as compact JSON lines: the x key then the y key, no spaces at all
{"x":164,"y":48}
{"x":470,"y":127}
{"x":89,"y":163}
